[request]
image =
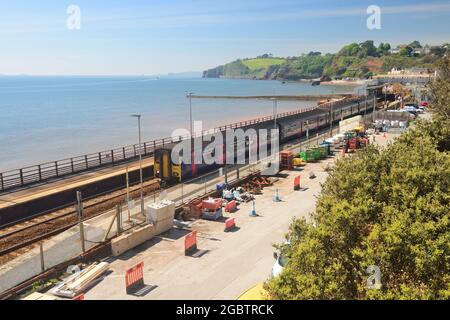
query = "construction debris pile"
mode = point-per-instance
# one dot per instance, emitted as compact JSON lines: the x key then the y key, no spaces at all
{"x":257,"y":184}
{"x":212,"y":208}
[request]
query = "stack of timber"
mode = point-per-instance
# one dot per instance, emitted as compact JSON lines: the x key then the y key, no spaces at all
{"x":39,"y":296}
{"x":255,"y":185}
{"x":78,"y":282}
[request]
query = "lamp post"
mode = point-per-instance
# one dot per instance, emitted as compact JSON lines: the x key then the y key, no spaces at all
{"x":138,"y":116}
{"x":275,"y":108}
{"x":331,"y":119}
{"x":189,"y":96}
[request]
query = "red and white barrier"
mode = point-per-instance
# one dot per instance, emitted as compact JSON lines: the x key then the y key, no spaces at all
{"x":297,"y":183}
{"x":134,"y":278}
{"x":230,"y":224}
{"x":231,"y":206}
{"x":190,"y":243}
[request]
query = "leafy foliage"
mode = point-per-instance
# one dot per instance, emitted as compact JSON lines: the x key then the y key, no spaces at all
{"x":384,"y":207}
{"x":356,"y":60}
{"x":389,"y":208}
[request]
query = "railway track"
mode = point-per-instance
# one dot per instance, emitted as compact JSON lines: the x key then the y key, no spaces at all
{"x":15,"y":239}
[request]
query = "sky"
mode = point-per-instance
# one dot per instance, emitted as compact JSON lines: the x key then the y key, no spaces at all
{"x":136,"y":37}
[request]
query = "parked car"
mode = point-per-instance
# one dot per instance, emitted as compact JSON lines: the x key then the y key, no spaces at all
{"x":424,"y":104}
{"x":412,"y":107}
{"x":280,"y":261}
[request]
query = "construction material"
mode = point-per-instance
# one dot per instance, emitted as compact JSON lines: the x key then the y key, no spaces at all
{"x":132,"y":239}
{"x":134,"y":278}
{"x":298,"y":162}
{"x":212,"y":215}
{"x":256,"y":184}
{"x":39,"y":296}
{"x":212,"y":204}
{"x":286,"y":158}
{"x":78,"y":282}
{"x":160,"y":211}
{"x":193,"y":210}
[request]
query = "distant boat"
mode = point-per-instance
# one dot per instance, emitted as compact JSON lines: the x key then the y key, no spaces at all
{"x":315,"y":83}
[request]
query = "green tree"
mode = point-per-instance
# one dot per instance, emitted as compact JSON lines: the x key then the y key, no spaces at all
{"x":405,"y":52}
{"x":381,"y":207}
{"x":415,"y":44}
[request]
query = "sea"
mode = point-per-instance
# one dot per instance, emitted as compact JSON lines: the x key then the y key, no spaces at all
{"x":48,"y":118}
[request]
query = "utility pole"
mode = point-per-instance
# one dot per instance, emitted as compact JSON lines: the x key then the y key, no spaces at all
{"x":80,"y":222}
{"x":307,"y":131}
{"x":374,"y":106}
{"x":275,"y":107}
{"x":189,"y":96}
{"x":128,"y":194}
{"x":331,"y":118}
{"x":138,"y":116}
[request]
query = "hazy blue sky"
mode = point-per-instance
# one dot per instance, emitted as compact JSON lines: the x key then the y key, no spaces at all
{"x":153,"y":37}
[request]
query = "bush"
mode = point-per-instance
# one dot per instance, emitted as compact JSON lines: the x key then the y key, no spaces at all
{"x":388,"y":208}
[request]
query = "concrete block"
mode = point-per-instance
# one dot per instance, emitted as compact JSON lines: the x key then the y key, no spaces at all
{"x":163,"y":225}
{"x":128,"y":241}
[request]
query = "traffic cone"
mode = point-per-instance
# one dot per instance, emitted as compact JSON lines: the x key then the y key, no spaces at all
{"x":253,"y":212}
{"x":276,"y":198}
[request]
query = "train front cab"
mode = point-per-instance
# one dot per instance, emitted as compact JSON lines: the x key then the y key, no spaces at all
{"x":164,"y":168}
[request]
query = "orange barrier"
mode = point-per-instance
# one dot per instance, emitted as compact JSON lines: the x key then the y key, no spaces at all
{"x":190,"y":243}
{"x":231,"y":206}
{"x":230,"y":224}
{"x":134,"y":278}
{"x":297,"y":183}
{"x":79,"y":297}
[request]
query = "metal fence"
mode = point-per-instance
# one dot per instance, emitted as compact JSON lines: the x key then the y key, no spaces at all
{"x":60,"y":168}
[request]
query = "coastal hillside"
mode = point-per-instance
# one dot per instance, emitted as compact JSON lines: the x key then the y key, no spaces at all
{"x":356,"y":60}
{"x":257,"y":68}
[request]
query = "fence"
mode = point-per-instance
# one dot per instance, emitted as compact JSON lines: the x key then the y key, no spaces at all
{"x":59,"y":168}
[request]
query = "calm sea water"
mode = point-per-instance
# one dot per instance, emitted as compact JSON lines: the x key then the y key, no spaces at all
{"x":51,"y":118}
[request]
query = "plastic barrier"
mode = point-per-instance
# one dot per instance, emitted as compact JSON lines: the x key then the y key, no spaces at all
{"x":79,"y":297}
{"x":230,"y":224}
{"x":134,"y":278}
{"x":297,"y":183}
{"x":231,"y":206}
{"x":190,"y":243}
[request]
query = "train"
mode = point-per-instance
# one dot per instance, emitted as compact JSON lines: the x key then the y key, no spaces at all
{"x":290,"y":128}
